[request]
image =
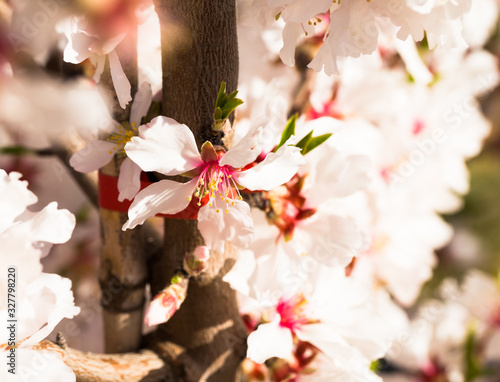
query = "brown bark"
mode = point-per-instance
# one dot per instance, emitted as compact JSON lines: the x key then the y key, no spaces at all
{"x":123,"y":272}
{"x":199,"y":52}
{"x":144,"y":366}
{"x":206,"y":339}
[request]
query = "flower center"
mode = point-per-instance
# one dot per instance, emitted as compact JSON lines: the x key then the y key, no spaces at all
{"x":217,"y":181}
{"x":286,"y":206}
{"x":125,"y":133}
{"x":293,"y":312}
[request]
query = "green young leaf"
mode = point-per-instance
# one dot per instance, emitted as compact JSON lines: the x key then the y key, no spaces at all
{"x":224,"y":106}
{"x":304,"y":141}
{"x":221,"y":97}
{"x":217,"y":113}
{"x":232,"y":95}
{"x":315,"y":142}
{"x":230,"y":106}
{"x":288,"y":132}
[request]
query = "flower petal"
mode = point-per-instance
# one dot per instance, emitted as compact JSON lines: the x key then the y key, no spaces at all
{"x":120,"y":80}
{"x":49,"y":225}
{"x":92,"y":157}
{"x":327,"y":340}
{"x":235,"y":226}
{"x":165,"y":196}
{"x":52,"y":300}
{"x":276,"y":169}
{"x":141,"y":103}
{"x":246,"y":150}
{"x":330,"y":239}
{"x":270,"y":340}
{"x":99,"y":62}
{"x":14,"y":198}
{"x":77,"y":48}
{"x":37,"y":366}
{"x":129,"y":181}
{"x":291,"y":34}
{"x":164,"y":146}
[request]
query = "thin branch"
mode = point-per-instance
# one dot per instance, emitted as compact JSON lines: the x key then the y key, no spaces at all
{"x":143,"y":366}
{"x":86,"y":182}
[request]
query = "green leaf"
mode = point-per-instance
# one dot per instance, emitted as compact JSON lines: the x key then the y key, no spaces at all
{"x":229,"y":107}
{"x":232,"y":95}
{"x":315,"y":142}
{"x":221,"y":97}
{"x":304,"y":141}
{"x":288,"y":132}
{"x":224,"y":106}
{"x":217,"y":113}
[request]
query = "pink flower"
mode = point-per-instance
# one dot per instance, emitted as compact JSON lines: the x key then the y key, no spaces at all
{"x":100,"y":152}
{"x":169,"y":147}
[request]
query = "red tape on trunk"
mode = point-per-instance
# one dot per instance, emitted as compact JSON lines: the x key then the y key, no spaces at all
{"x":108,"y":199}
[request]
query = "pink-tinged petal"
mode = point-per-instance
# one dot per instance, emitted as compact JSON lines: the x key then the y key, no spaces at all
{"x":245,"y":151}
{"x":268,"y":341}
{"x":165,"y":196}
{"x":99,"y":62}
{"x":95,"y":155}
{"x":336,"y":176}
{"x":159,"y":311}
{"x":102,"y":47}
{"x":141,"y":103}
{"x":48,"y":225}
{"x":235,"y":226}
{"x":52,"y":300}
{"x":164,"y":146}
{"x":14,"y":198}
{"x":276,"y":169}
{"x":291,"y":34}
{"x":120,"y":80}
{"x":166,"y":303}
{"x":142,"y":10}
{"x":327,"y":340}
{"x":129,"y":181}
{"x":37,"y":366}
{"x":77,"y":49}
{"x":330,"y":239}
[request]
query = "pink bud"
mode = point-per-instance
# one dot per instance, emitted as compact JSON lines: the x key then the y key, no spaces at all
{"x":196,"y":262}
{"x":167,"y":302}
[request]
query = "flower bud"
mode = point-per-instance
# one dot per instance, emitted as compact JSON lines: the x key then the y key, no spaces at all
{"x":196,"y":261}
{"x":163,"y":306}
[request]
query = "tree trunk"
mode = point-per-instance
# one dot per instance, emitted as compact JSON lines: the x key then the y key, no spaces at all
{"x":123,"y":272}
{"x":199,"y":51}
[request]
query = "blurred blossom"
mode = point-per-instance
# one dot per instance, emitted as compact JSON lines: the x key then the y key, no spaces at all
{"x":95,"y":34}
{"x":114,"y":136}
{"x":42,"y":300}
{"x":37,"y":110}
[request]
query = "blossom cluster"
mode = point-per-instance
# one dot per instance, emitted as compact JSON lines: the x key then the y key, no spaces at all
{"x":37,"y":301}
{"x":328,"y":184}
